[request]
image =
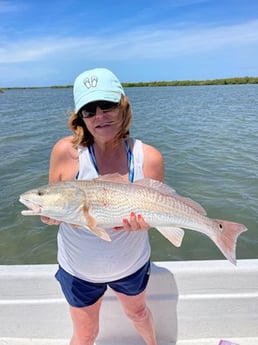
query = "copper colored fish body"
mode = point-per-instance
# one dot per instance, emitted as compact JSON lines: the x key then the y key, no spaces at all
{"x":103,"y":203}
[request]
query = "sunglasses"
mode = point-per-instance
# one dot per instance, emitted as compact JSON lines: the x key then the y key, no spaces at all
{"x":89,"y":110}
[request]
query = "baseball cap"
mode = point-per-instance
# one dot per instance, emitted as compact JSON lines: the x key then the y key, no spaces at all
{"x":98,"y":84}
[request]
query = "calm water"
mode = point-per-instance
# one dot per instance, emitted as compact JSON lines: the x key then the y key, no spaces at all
{"x":208,"y":136}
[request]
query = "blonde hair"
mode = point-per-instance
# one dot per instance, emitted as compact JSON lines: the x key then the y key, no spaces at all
{"x":82,"y":136}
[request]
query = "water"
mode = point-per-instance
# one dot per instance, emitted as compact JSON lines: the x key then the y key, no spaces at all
{"x":207,"y":135}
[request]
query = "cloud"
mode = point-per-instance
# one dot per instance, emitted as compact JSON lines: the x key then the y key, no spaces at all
{"x":171,"y":43}
{"x":196,"y":51}
{"x":141,"y":43}
{"x":34,"y":49}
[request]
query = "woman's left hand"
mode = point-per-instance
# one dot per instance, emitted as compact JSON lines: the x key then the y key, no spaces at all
{"x":135,"y":222}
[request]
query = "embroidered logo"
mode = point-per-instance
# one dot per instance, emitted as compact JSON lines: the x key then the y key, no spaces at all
{"x":90,"y":82}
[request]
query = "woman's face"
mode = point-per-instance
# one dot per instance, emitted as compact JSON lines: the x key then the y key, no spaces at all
{"x":103,"y":124}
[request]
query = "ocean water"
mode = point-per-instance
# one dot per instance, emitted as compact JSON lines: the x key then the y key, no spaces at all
{"x":208,"y":136}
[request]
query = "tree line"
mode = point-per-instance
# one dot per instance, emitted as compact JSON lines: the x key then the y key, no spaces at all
{"x":224,"y":81}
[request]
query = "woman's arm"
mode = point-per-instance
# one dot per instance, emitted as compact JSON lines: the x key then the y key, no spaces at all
{"x":153,"y":166}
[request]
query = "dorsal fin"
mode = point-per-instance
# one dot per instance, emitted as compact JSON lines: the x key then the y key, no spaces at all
{"x":193,"y":204}
{"x":157,"y":185}
{"x":116,"y":178}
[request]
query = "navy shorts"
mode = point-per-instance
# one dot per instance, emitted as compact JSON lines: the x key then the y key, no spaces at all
{"x":80,"y":293}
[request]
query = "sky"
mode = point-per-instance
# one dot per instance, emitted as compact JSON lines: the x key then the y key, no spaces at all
{"x":46,"y":43}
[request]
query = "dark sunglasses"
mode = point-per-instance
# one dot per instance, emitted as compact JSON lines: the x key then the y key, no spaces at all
{"x":89,"y":110}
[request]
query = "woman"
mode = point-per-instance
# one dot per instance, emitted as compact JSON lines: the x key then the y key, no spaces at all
{"x":101,"y":145}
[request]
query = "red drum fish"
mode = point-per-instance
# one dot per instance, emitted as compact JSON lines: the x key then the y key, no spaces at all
{"x":103,"y":203}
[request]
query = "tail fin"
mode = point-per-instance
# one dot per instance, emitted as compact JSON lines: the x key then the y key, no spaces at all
{"x":227,"y":238}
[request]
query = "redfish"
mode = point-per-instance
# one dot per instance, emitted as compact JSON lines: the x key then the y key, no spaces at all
{"x":103,"y":202}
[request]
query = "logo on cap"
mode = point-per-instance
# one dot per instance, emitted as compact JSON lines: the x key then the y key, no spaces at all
{"x":90,"y":82}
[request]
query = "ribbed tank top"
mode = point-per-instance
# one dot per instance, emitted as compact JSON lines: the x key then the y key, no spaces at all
{"x":86,"y":256}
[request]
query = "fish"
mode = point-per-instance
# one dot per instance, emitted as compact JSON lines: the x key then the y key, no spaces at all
{"x":102,"y":203}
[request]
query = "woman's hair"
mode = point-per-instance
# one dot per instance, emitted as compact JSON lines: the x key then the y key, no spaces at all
{"x":83,"y":137}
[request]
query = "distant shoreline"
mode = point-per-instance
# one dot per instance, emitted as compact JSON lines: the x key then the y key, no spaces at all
{"x":224,"y":81}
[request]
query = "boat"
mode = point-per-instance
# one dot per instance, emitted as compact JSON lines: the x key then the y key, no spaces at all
{"x":193,"y":303}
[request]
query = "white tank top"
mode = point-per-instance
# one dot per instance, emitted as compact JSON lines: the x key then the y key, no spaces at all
{"x":86,"y":256}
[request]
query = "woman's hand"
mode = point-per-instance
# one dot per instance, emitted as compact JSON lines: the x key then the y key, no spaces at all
{"x":50,"y":221}
{"x":135,"y":222}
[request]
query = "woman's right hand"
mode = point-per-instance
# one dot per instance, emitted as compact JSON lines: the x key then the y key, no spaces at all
{"x":50,"y":221}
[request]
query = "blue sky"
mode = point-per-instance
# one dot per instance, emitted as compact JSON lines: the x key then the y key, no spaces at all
{"x":46,"y":43}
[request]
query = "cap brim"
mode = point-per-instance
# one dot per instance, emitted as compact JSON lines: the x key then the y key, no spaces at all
{"x":98,"y":95}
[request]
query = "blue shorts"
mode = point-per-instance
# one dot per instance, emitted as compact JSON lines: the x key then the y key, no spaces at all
{"x":80,"y":293}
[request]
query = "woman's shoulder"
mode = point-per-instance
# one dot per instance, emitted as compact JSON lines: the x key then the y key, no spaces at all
{"x":63,"y":160}
{"x":64,"y":142}
{"x":64,"y":147}
{"x":151,"y":152}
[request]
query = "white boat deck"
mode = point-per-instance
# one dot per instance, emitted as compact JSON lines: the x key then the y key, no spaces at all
{"x":193,"y":303}
{"x":209,"y":341}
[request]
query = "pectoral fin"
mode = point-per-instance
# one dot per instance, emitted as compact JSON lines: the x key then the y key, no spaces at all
{"x":93,"y":227}
{"x":100,"y":233}
{"x":174,"y":235}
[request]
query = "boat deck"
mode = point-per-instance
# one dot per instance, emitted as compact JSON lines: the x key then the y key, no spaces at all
{"x":210,"y":341}
{"x":193,"y":303}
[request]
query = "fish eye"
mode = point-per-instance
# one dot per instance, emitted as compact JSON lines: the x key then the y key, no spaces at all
{"x":40,"y":193}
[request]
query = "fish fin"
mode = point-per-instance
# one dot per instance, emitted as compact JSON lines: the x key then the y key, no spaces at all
{"x":92,"y":226}
{"x":100,"y":233}
{"x":192,"y":204}
{"x":167,"y":190}
{"x":173,"y":234}
{"x":156,"y":185}
{"x":112,"y":178}
{"x":227,"y":238}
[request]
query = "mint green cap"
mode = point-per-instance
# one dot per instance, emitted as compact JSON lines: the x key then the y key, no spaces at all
{"x":98,"y":84}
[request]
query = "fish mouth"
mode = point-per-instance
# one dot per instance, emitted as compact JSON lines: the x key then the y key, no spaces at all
{"x":33,"y":209}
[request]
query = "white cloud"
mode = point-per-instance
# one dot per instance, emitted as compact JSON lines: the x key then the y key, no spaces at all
{"x":142,"y":43}
{"x":236,"y":43}
{"x":34,"y":50}
{"x":161,"y":43}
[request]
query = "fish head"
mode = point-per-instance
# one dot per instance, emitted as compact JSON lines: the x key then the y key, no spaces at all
{"x":53,"y":200}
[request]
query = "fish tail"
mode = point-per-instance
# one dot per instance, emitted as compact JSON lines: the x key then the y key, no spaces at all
{"x":227,"y":238}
